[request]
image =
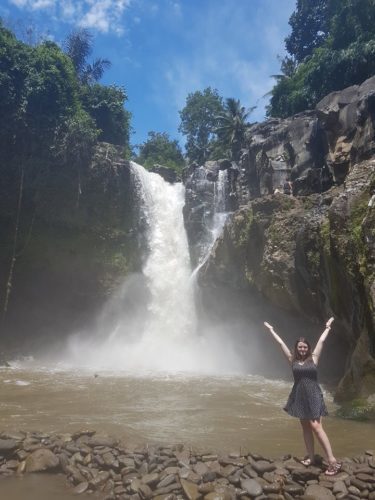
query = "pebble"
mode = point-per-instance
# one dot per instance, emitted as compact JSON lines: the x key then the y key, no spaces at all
{"x":114,"y":471}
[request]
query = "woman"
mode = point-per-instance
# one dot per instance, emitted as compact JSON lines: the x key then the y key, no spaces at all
{"x":306,"y":399}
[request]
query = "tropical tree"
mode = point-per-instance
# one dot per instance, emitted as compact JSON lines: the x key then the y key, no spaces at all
{"x":345,"y":56}
{"x":78,"y":46}
{"x":160,"y":149}
{"x":198,"y":123}
{"x":105,"y":104}
{"x":310,"y":28}
{"x":232,"y":125}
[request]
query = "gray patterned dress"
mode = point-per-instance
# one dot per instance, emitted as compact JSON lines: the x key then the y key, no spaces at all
{"x":306,"y":399}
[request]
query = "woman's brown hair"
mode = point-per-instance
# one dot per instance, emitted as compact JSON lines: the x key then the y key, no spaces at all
{"x":296,"y":355}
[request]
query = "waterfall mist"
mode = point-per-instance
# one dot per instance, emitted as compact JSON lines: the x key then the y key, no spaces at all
{"x":150,"y":324}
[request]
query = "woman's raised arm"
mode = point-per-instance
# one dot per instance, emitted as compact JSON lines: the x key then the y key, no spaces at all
{"x":280,"y":341}
{"x":319,"y":346}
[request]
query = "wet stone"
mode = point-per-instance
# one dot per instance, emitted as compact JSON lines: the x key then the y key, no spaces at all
{"x":361,"y":485}
{"x":306,"y":474}
{"x":206,"y":488}
{"x":293,"y":489}
{"x":271,"y":488}
{"x":354,"y":490}
{"x":41,"y":460}
{"x":12,"y":464}
{"x":252,"y":487}
{"x":250,"y":471}
{"x":262,"y":466}
{"x":190,"y":489}
{"x":145,"y":491}
{"x":368,"y":478}
{"x":81,"y":488}
{"x":150,"y":479}
{"x":227,"y":470}
{"x":166,"y":481}
{"x":167,"y":489}
{"x":102,"y":441}
{"x":319,"y":492}
{"x":209,"y":458}
{"x":200,"y":468}
{"x":209,"y":476}
{"x":99,"y":479}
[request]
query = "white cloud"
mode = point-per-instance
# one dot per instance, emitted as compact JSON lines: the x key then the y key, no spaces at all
{"x":20,"y":3}
{"x":233,"y":53}
{"x":102,"y":15}
{"x":42,"y":4}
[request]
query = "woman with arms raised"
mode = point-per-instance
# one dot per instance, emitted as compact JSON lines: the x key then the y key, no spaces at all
{"x":306,"y":398}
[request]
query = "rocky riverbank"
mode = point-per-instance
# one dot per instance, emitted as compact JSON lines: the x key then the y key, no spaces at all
{"x":110,"y":469}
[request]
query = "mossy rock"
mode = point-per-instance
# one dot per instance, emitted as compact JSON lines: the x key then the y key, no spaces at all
{"x":358,"y":409}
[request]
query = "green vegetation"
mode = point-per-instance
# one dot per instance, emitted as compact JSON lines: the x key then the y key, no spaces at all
{"x":78,"y":46}
{"x":198,"y":123}
{"x":160,"y":149}
{"x":52,"y":112}
{"x":213,"y":128}
{"x":332,"y":46}
{"x":232,"y":125}
{"x":357,"y":409}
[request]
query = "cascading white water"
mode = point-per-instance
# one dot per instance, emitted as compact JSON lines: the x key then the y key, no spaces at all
{"x":167,"y":269}
{"x":220,"y":212}
{"x":159,"y":332}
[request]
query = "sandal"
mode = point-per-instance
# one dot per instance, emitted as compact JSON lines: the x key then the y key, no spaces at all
{"x":333,"y":469}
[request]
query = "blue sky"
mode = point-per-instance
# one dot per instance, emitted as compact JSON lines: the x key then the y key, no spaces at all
{"x":161,"y":50}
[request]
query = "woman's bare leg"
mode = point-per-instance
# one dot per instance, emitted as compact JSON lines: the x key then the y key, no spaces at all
{"x":308,"y":438}
{"x":317,"y":428}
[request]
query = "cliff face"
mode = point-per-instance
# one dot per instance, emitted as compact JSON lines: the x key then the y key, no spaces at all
{"x":76,"y":242}
{"x":311,"y":254}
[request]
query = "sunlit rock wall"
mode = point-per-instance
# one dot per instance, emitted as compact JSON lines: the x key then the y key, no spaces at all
{"x":311,"y":254}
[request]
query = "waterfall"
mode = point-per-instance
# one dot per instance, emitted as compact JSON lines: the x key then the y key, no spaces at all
{"x":220,"y":198}
{"x":167,"y":269}
{"x":150,"y":324}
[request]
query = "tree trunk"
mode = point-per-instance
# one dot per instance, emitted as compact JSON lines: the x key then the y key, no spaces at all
{"x":8,"y":286}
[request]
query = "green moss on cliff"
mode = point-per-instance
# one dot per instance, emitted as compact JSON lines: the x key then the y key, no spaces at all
{"x":242,"y":224}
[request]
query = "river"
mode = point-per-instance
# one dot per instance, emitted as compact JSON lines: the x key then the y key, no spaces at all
{"x":225,"y":413}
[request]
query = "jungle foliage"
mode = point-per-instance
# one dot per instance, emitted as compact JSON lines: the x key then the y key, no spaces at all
{"x":52,"y":113}
{"x":214,"y":127}
{"x":160,"y":149}
{"x":331,"y":46}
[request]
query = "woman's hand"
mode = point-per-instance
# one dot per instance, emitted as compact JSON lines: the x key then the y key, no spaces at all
{"x":329,"y":322}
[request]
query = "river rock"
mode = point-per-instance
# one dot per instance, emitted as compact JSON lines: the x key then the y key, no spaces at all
{"x":306,"y":474}
{"x":102,"y":441}
{"x":227,"y":470}
{"x":339,"y":487}
{"x":41,"y":460}
{"x":319,"y":492}
{"x":262,"y":466}
{"x":209,"y":476}
{"x":200,"y":468}
{"x":190,"y":489}
{"x":81,"y":488}
{"x":151,"y":479}
{"x":7,"y":446}
{"x":169,"y":479}
{"x":252,"y":487}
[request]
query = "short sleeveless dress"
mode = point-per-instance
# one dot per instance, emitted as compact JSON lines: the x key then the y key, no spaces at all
{"x":306,"y":399}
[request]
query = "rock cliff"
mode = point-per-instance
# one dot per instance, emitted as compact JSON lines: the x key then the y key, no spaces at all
{"x":312,"y":254}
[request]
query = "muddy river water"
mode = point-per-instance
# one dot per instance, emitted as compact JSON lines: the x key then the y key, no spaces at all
{"x":229,"y":413}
